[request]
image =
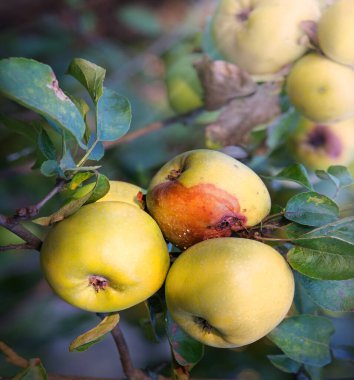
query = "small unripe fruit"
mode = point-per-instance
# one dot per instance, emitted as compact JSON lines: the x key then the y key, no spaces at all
{"x":229,"y":292}
{"x":322,"y":90}
{"x":184,"y":89}
{"x":203,"y":194}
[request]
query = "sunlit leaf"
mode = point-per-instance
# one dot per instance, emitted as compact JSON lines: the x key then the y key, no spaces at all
{"x":97,"y":191}
{"x":34,"y":85}
{"x":86,"y":340}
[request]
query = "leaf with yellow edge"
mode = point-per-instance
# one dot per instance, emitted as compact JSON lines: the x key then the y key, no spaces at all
{"x":87,"y":339}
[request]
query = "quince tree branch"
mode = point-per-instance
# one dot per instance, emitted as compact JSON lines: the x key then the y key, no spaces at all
{"x":13,"y":223}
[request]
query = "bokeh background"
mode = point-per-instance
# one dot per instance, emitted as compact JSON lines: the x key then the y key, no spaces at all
{"x":133,"y":40}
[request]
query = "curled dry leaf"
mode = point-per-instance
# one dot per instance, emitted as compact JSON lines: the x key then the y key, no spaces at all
{"x":241,"y":115}
{"x":222,"y":82}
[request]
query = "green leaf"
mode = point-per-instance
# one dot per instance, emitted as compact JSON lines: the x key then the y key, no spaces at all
{"x":98,"y":151}
{"x":305,"y":339}
{"x":155,"y":310}
{"x":35,"y":371}
{"x":326,"y":252}
{"x":89,"y":75}
{"x":186,"y":350}
{"x":295,"y":173}
{"x":342,"y":174}
{"x":280,"y":130}
{"x":330,"y":295}
{"x":113,"y":116}
{"x":339,"y":175}
{"x":86,"y":340}
{"x":101,"y":188}
{"x":46,"y":145}
{"x":34,"y":85}
{"x":295,"y":230}
{"x":314,"y":372}
{"x":284,"y":363}
{"x":97,"y":191}
{"x":78,"y":179}
{"x":311,"y":209}
{"x":140,"y":19}
{"x":50,"y":168}
{"x":321,"y":265}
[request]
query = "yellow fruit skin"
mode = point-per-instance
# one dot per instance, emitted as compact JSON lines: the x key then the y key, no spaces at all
{"x":262,"y":36}
{"x":322,"y":90}
{"x":118,"y":191}
{"x":113,"y":240}
{"x":211,"y":191}
{"x":242,"y":288}
{"x":184,"y":89}
{"x":319,"y":145}
{"x":335,"y":32}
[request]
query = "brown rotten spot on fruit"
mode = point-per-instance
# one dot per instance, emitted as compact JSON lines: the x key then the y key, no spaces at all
{"x":204,"y":194}
{"x":321,"y":137}
{"x":197,"y":213}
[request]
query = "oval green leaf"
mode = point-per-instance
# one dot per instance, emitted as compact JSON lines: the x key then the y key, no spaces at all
{"x":330,"y":295}
{"x":321,"y":265}
{"x":34,"y":85}
{"x":311,"y":209}
{"x":295,"y":173}
{"x":113,"y":116}
{"x":305,"y":339}
{"x":86,"y":340}
{"x":89,"y":75}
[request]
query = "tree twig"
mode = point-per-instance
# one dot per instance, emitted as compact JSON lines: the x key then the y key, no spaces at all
{"x":29,"y":212}
{"x":187,"y":119}
{"x":12,"y":357}
{"x":13,"y":224}
{"x":125,"y":358}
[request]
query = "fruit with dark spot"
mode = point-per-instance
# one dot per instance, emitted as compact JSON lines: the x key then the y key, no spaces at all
{"x":213,"y":195}
{"x":229,"y":292}
{"x":320,"y":145}
{"x":108,"y":256}
{"x":322,"y":90}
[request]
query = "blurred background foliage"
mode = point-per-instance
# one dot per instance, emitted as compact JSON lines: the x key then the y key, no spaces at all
{"x":133,"y":40}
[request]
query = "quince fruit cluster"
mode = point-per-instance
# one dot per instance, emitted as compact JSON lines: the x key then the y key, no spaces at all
{"x":224,"y":291}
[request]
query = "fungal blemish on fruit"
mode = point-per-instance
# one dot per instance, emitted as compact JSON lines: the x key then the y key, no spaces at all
{"x":321,"y":137}
{"x":244,"y":15}
{"x":188,"y":212}
{"x":98,"y":282}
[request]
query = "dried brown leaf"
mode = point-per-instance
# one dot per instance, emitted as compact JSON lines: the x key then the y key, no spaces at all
{"x":223,"y":81}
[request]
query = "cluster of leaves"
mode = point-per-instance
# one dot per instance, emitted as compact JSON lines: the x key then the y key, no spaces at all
{"x":317,"y":240}
{"x":63,"y":139}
